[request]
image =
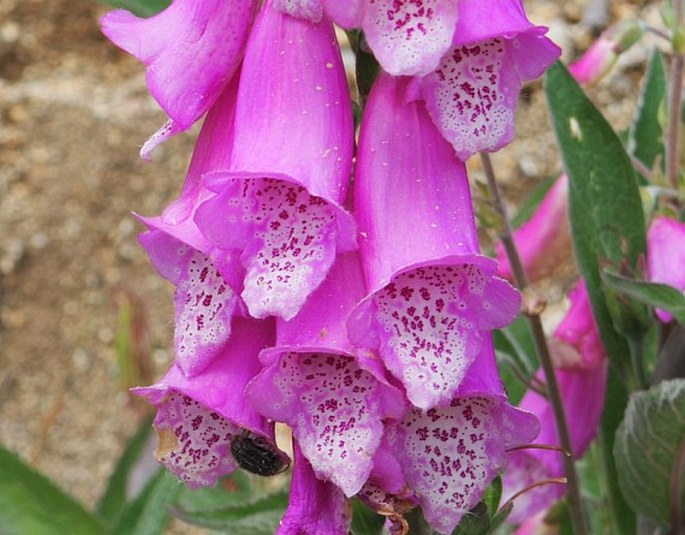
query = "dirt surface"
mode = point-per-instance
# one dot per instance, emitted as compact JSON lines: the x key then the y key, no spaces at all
{"x":73,"y":113}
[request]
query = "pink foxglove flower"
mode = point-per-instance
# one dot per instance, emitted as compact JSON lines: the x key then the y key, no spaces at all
{"x":315,"y":507}
{"x":433,"y":296}
{"x":206,"y":278}
{"x":191,"y":51}
{"x":666,"y":255}
{"x":544,"y":241}
{"x":279,"y":203}
{"x":472,"y":94}
{"x":582,"y":369}
{"x":334,"y":397}
{"x":199,"y":417}
{"x":450,"y":454}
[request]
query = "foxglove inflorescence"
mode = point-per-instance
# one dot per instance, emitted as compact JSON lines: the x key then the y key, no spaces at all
{"x":362,"y":318}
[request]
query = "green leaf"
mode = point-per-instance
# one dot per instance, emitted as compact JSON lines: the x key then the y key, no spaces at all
{"x":500,"y":517}
{"x":114,"y":500}
{"x":365,"y":521}
{"x":650,"y":293}
{"x":257,"y":518}
{"x":648,"y":441}
{"x":142,"y":8}
{"x":31,"y":504}
{"x":646,"y":134}
{"x":235,"y":489}
{"x":475,"y":522}
{"x":516,"y":355}
{"x":607,"y":221}
{"x":149,"y":514}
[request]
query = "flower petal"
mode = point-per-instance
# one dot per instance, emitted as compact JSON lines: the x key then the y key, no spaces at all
{"x":347,"y":13}
{"x":409,"y":37}
{"x":310,"y":10}
{"x":315,"y":507}
{"x":666,"y":255}
{"x":191,"y":50}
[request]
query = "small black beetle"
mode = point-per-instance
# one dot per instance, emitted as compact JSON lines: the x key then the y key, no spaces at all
{"x":255,"y":454}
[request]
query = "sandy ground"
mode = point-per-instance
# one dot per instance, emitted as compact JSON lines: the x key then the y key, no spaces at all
{"x":73,"y":113}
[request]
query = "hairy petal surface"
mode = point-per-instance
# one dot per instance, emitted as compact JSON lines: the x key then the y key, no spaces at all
{"x":198,"y":417}
{"x":409,"y":36}
{"x":315,"y":507}
{"x":191,"y":50}
{"x":347,"y":14}
{"x":666,"y":255}
{"x":310,"y":10}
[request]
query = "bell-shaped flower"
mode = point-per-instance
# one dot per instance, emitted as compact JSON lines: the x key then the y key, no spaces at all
{"x":191,"y":51}
{"x":544,"y":241}
{"x":581,"y":369}
{"x":279,"y":204}
{"x":450,"y":454}
{"x":473,"y":92}
{"x":433,"y":296}
{"x":666,"y":255}
{"x":199,"y":417}
{"x":315,"y":507}
{"x":206,"y":278}
{"x":333,"y":397}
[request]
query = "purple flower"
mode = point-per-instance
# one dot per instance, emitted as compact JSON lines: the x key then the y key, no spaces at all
{"x":206,"y":278}
{"x":278,"y":204}
{"x":544,"y":241}
{"x":582,"y":369}
{"x":191,"y":50}
{"x":433,"y":296}
{"x":198,"y":417}
{"x":666,"y":256}
{"x":472,"y":93}
{"x":334,"y":397}
{"x":315,"y":507}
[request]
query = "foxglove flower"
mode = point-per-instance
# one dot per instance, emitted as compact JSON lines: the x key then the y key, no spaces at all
{"x":450,"y":454}
{"x":279,"y":203}
{"x":472,"y":93}
{"x":582,"y":369}
{"x":544,"y":241}
{"x":198,"y":417}
{"x":206,"y":278}
{"x":315,"y":507}
{"x":334,"y":397}
{"x":433,"y":296}
{"x":666,"y":256}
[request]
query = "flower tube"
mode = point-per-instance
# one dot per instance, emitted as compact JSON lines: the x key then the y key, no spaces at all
{"x":199,"y":417}
{"x":279,"y":203}
{"x":666,"y":256}
{"x":334,"y":397}
{"x":207,"y":279}
{"x":191,"y":51}
{"x":433,"y":296}
{"x":582,"y":368}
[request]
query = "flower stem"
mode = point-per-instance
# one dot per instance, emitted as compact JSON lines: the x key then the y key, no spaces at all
{"x":554,"y":396}
{"x":676,"y":93}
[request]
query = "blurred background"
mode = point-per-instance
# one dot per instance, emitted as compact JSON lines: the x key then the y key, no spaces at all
{"x":83,"y":316}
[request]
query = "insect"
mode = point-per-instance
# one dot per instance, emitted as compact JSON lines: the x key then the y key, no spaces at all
{"x":255,"y":454}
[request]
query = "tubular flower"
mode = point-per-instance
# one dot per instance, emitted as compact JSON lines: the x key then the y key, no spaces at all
{"x":191,"y":51}
{"x":315,"y":507}
{"x":666,"y":256}
{"x":472,"y":93}
{"x":543,"y":241}
{"x":433,"y":296}
{"x":450,"y":454}
{"x":334,"y":398}
{"x":199,"y":417}
{"x":278,"y":205}
{"x":206,"y":278}
{"x":582,"y":369}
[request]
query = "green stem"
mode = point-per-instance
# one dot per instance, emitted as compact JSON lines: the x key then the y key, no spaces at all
{"x":554,"y":395}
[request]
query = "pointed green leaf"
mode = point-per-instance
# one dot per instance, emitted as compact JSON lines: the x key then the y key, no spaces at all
{"x":650,"y":293}
{"x":142,"y":8}
{"x":31,"y":504}
{"x":646,"y":134}
{"x":365,"y":521}
{"x":257,"y":518}
{"x":648,"y":441}
{"x":114,"y":499}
